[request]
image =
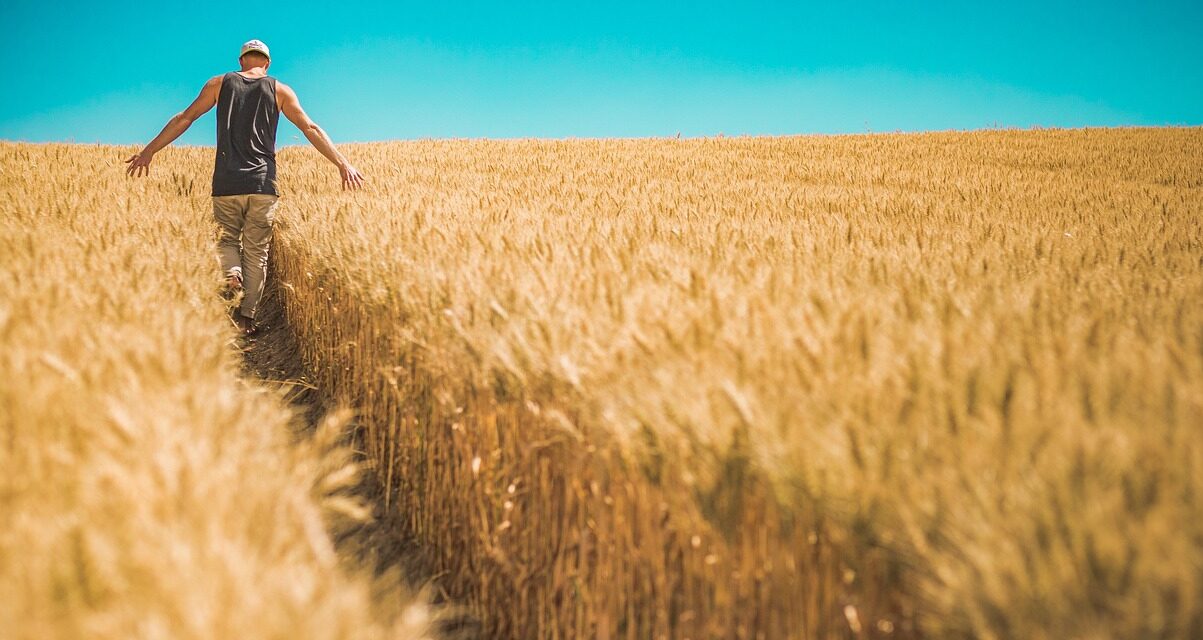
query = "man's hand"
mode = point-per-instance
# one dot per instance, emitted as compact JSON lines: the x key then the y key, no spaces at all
{"x":139,"y":164}
{"x":352,"y":178}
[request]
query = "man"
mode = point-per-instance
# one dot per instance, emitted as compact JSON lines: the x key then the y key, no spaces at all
{"x":249,"y":103}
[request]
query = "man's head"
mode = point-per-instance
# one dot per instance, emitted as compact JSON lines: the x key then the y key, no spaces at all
{"x":254,"y":54}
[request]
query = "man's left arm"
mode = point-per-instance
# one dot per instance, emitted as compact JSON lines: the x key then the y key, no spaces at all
{"x":139,"y":163}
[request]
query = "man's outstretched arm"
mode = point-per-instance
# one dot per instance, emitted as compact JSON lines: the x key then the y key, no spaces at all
{"x":139,"y":163}
{"x":291,"y":107}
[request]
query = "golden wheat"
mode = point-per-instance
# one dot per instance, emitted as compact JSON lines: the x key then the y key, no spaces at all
{"x":942,"y":384}
{"x":145,"y":491}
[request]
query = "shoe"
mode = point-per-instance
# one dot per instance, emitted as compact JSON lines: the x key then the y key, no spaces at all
{"x":233,"y":287}
{"x":246,"y":326}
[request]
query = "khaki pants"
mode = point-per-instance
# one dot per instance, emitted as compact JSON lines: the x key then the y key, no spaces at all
{"x":246,"y":235}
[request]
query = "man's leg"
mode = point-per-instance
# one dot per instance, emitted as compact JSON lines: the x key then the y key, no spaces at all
{"x":256,"y":241}
{"x":230,"y":213}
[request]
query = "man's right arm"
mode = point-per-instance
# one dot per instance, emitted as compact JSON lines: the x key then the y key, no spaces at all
{"x":139,"y":163}
{"x":291,"y":107}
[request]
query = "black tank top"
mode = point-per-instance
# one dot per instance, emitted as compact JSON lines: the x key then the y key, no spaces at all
{"x":247,"y":116}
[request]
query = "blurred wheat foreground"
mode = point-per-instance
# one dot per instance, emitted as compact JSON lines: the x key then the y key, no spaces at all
{"x":938,"y":384}
{"x":146,"y":491}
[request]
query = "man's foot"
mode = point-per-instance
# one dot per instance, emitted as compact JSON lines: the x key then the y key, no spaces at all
{"x":246,"y":326}
{"x":233,"y":286}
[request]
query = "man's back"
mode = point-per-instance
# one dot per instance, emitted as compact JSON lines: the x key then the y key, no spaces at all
{"x":249,"y":147}
{"x":247,"y":116}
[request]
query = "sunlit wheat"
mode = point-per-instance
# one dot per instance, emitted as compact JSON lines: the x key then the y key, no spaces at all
{"x":145,"y":492}
{"x":951,"y":383}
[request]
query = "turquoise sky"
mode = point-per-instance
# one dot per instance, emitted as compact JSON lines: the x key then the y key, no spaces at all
{"x":114,"y":72}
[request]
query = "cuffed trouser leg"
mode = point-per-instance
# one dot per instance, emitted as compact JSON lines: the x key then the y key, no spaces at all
{"x":246,"y":234}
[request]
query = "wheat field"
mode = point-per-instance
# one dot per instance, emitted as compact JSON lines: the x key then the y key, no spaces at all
{"x":920,"y":385}
{"x":146,"y":491}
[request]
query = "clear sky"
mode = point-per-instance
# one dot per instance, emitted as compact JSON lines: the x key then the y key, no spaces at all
{"x":115,"y":71}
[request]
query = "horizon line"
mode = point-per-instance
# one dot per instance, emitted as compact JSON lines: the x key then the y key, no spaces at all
{"x":677,"y":136}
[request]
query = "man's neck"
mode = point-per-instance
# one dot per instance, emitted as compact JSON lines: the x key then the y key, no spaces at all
{"x":254,"y":72}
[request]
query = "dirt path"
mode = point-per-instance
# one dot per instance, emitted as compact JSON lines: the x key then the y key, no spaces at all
{"x":273,"y":357}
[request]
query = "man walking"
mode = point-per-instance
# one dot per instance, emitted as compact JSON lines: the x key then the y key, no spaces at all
{"x":249,"y":103}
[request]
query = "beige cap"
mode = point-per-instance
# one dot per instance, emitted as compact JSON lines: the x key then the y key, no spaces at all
{"x":257,"y":46}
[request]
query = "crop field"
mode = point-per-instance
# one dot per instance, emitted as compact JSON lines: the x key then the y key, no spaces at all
{"x":879,"y":386}
{"x":145,"y":490}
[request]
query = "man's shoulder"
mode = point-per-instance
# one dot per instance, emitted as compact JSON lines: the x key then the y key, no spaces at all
{"x":213,"y":86}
